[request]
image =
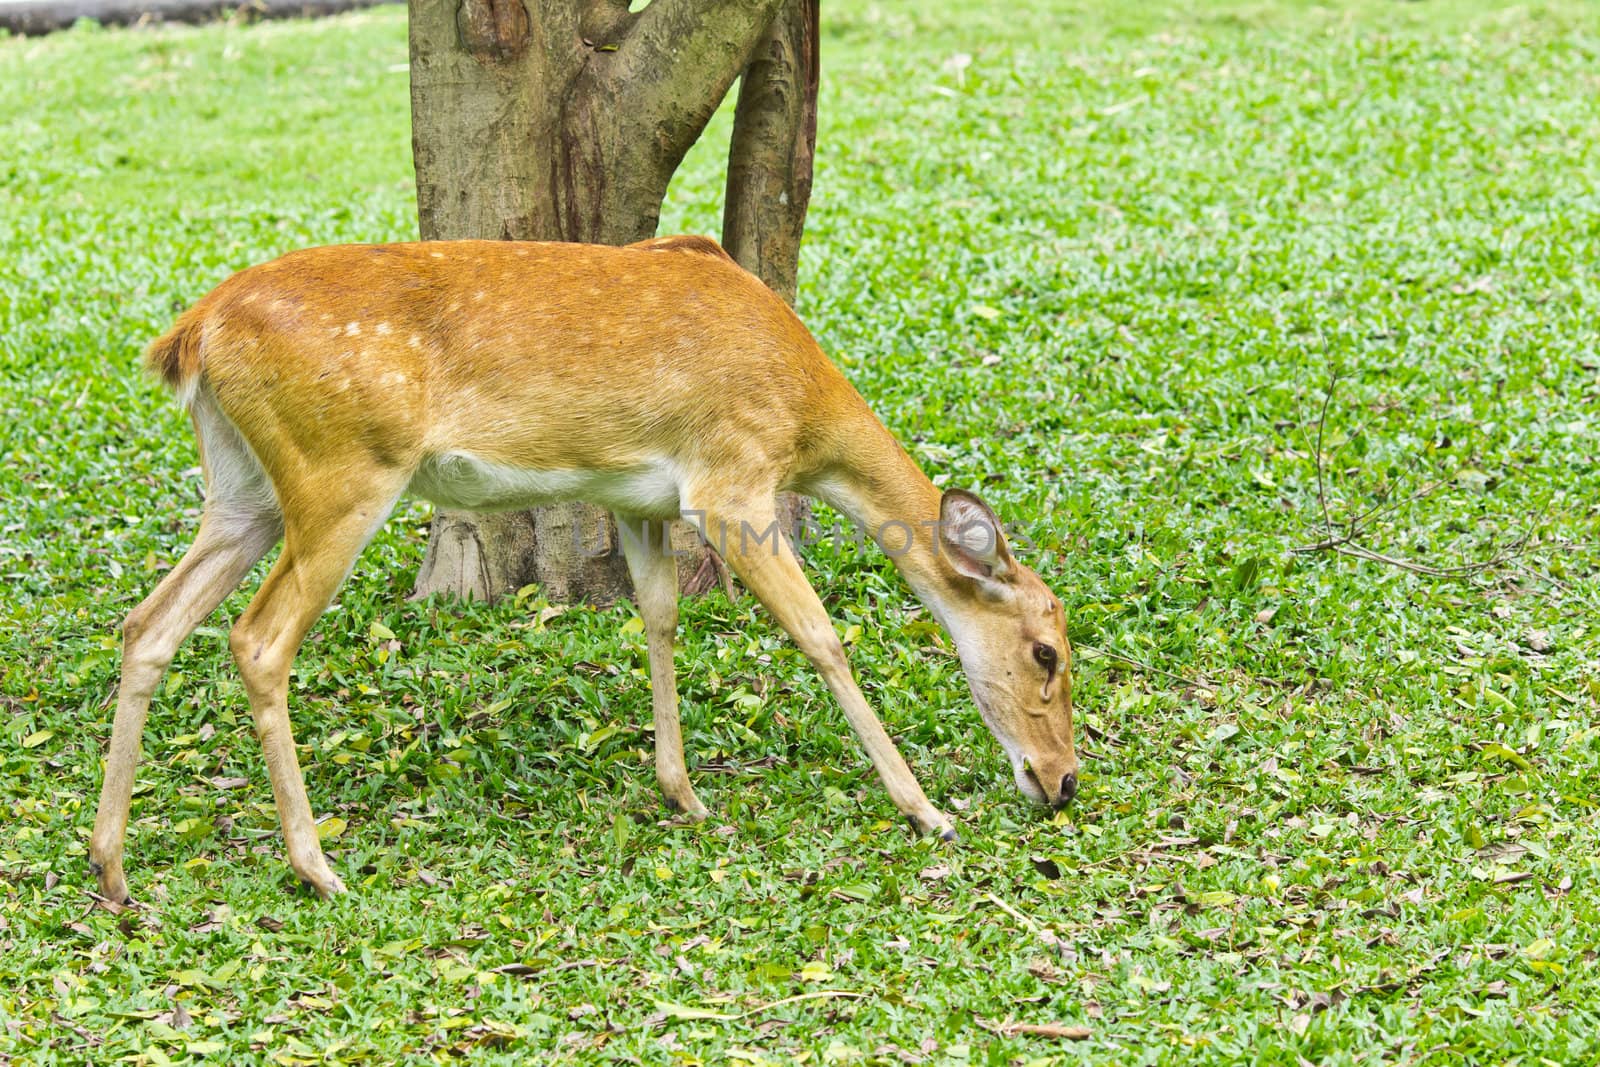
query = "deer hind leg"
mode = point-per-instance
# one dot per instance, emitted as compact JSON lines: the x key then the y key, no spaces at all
{"x":321,"y":543}
{"x":748,"y":538}
{"x":240,"y":523}
{"x":230,"y":542}
{"x":655,"y":587}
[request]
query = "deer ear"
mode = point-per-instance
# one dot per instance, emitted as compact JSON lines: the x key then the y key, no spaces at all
{"x":970,"y":534}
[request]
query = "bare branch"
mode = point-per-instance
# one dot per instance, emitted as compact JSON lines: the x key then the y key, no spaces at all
{"x":1381,"y":409}
{"x":675,"y":63}
{"x":1091,"y":652}
{"x":1322,"y":422}
{"x":1347,"y":542}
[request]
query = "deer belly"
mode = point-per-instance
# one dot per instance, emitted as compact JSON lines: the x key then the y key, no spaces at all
{"x":464,"y":481}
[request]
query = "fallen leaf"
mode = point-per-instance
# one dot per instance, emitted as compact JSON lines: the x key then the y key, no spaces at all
{"x":815,"y":971}
{"x":1540,"y":949}
{"x":1044,"y":970}
{"x":1060,"y":1031}
{"x":1047,"y":867}
{"x":684,"y":1011}
{"x":1215,"y":898}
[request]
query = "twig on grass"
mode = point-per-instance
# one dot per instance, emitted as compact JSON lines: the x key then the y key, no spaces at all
{"x":1010,"y":1028}
{"x":105,"y":904}
{"x":1346,"y":538}
{"x":681,"y":1011}
{"x":1096,"y":653}
{"x":820,"y":994}
{"x":1043,"y":935}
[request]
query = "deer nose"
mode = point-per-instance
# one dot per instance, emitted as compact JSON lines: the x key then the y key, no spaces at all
{"x":1069,"y":789}
{"x":1055,"y":798}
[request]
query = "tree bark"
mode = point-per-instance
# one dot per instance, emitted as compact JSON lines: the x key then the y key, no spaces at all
{"x":772,"y":150}
{"x":556,"y":120}
{"x":770,"y":159}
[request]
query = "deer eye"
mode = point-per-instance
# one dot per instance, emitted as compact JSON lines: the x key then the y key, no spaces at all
{"x":1046,"y":657}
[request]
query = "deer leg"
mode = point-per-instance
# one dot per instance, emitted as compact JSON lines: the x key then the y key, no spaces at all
{"x":318,"y":553}
{"x":228,"y":545}
{"x":655,"y":589}
{"x":749,"y":539}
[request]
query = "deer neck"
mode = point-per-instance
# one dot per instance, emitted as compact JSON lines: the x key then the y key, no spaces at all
{"x":891,"y":499}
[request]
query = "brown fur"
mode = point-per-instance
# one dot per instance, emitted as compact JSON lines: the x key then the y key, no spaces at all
{"x":175,"y":355}
{"x":324,"y":383}
{"x":690,"y":242}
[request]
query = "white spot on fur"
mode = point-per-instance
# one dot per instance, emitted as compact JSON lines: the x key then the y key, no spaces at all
{"x":436,"y":255}
{"x":352,"y":329}
{"x":383,"y":329}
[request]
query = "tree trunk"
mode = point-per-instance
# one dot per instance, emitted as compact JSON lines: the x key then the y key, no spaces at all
{"x":774,"y":143}
{"x":564,"y":121}
{"x":770,"y":159}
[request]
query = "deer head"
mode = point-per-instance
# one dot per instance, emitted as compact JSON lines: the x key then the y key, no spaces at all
{"x":1011,"y":634}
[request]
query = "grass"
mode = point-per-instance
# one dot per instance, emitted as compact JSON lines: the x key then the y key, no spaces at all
{"x":1104,"y":268}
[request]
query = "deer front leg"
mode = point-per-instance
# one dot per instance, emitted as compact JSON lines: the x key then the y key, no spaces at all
{"x":655,"y":589}
{"x":750,"y":542}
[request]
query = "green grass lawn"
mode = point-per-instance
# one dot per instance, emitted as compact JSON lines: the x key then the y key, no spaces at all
{"x":1100,"y":261}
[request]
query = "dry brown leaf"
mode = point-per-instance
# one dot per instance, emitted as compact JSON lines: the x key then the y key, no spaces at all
{"x":1060,"y":1031}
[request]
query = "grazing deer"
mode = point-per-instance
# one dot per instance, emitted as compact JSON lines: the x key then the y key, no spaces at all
{"x":658,"y":380}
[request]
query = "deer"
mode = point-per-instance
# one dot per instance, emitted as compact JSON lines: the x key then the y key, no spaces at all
{"x":659,"y":380}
